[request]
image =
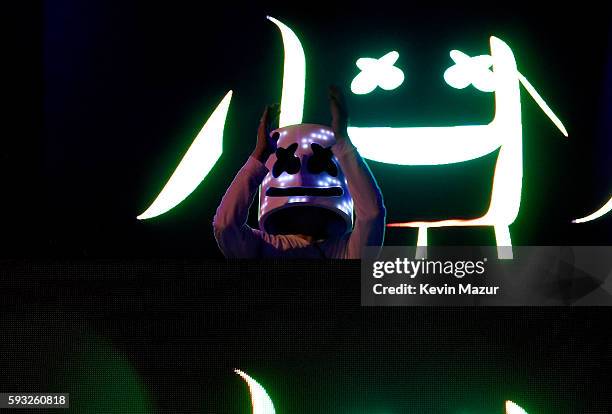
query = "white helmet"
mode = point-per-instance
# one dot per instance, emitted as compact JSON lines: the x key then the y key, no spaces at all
{"x":305,"y":191}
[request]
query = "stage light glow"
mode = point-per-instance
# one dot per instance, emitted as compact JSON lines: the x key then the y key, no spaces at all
{"x":599,"y":213}
{"x":262,"y":404}
{"x":294,"y":77}
{"x":197,"y":162}
{"x":377,"y":72}
{"x":512,"y":408}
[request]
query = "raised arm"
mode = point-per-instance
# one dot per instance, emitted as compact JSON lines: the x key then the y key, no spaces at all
{"x":369,"y":229}
{"x":234,"y":237}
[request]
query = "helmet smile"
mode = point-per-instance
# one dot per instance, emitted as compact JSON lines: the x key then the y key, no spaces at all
{"x":304,"y":191}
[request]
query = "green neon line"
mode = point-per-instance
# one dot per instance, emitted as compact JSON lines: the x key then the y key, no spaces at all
{"x":540,"y":101}
{"x":262,"y":404}
{"x":599,"y":213}
{"x":294,"y":77}
{"x":199,"y":159}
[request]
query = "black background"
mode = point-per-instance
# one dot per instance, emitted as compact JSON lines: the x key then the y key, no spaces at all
{"x":126,"y":86}
{"x":300,"y":331}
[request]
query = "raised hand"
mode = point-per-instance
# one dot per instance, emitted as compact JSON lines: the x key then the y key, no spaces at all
{"x":266,"y":145}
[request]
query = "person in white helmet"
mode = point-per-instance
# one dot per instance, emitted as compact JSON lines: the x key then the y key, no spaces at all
{"x":318,"y":198}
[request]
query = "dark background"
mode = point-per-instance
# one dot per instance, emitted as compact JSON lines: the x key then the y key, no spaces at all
{"x":125,"y":88}
{"x":115,"y":334}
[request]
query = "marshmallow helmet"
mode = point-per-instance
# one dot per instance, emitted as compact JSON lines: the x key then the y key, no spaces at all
{"x":305,"y":191}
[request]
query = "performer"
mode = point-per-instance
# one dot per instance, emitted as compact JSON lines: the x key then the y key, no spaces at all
{"x":311,"y":178}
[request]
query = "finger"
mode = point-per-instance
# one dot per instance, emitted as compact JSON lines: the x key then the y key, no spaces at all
{"x":263,"y":123}
{"x":336,"y":98}
{"x":273,"y":141}
{"x":265,"y":116}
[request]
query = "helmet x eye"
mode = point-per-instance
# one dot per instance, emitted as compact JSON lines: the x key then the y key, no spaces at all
{"x":286,"y":161}
{"x":322,"y":160}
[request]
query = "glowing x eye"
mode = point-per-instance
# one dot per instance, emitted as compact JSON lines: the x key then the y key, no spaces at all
{"x":470,"y":70}
{"x":377,"y":72}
